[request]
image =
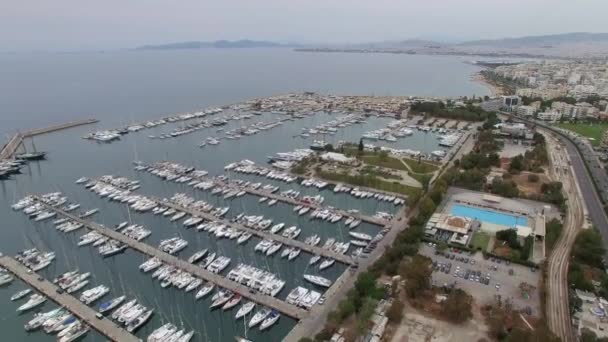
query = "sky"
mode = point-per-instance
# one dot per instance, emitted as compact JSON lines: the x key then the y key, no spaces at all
{"x":115,"y":24}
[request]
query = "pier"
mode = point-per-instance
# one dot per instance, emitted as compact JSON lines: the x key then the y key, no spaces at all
{"x":86,"y":314}
{"x":16,"y":140}
{"x":345,"y":259}
{"x":284,"y":199}
{"x":274,"y":303}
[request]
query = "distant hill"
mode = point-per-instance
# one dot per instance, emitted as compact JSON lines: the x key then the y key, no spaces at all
{"x":539,"y":41}
{"x":220,"y":44}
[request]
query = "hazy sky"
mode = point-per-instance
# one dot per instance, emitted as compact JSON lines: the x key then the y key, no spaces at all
{"x":104,"y":24}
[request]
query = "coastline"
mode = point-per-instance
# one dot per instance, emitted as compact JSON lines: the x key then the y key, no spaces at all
{"x":495,"y":90}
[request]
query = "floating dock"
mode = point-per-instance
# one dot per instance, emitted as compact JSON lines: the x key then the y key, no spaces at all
{"x":271,"y":302}
{"x":16,"y":140}
{"x":104,"y":326}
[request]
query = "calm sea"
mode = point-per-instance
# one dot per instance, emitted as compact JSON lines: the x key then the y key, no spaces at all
{"x":120,"y":87}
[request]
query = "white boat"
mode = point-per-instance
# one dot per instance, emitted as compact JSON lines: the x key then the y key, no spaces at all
{"x":277,"y":227}
{"x":234,"y":301}
{"x":272,"y":202}
{"x":270,"y":320}
{"x":197,"y":256}
{"x":139,"y":321}
{"x":89,"y":213}
{"x":317,"y":280}
{"x":314,"y":259}
{"x":274,"y":248}
{"x":294,"y":253}
{"x":326,"y":263}
{"x":245,"y":309}
{"x":243,"y":238}
{"x":111,"y":304}
{"x":259,"y":317}
{"x":34,"y":301}
{"x":205,"y":290}
{"x":20,"y":294}
{"x":360,"y":236}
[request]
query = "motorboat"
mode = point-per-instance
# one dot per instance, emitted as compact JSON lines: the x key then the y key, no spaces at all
{"x":34,"y":301}
{"x":360,"y":236}
{"x":197,"y":256}
{"x":111,"y":304}
{"x":20,"y":294}
{"x":317,"y":280}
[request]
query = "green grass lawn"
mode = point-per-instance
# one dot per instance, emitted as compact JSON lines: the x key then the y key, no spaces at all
{"x":371,"y":182}
{"x":388,"y":162}
{"x":480,"y":240}
{"x":592,"y":131}
{"x":421,"y":167}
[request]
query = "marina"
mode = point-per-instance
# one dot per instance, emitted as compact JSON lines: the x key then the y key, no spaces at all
{"x":184,"y":265}
{"x":273,"y":244}
{"x":85,"y":313}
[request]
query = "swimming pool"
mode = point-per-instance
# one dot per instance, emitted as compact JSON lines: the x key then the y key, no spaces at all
{"x":488,"y":216}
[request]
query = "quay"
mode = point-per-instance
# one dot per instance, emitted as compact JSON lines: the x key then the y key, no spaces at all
{"x":269,"y":301}
{"x":16,"y":140}
{"x":104,"y":326}
{"x":345,"y":259}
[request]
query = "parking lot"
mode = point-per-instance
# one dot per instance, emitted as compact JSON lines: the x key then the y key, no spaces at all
{"x":484,"y":279}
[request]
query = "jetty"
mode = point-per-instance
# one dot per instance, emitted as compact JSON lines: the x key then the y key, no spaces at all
{"x":345,"y":259}
{"x":269,"y":301}
{"x":86,"y":314}
{"x":284,"y":199}
{"x":16,"y":140}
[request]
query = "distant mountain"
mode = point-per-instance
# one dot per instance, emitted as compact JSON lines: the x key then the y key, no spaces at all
{"x":220,"y":44}
{"x":540,"y":41}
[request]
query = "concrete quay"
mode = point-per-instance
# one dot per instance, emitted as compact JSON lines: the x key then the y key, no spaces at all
{"x":104,"y":326}
{"x":16,"y":140}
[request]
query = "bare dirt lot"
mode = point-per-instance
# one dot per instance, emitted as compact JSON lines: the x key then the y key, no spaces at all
{"x":418,"y":327}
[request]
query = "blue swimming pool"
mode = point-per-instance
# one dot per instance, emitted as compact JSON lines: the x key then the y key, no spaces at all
{"x":488,"y":216}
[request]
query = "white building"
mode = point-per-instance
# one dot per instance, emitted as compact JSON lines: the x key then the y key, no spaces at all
{"x":549,"y":116}
{"x":526,"y":111}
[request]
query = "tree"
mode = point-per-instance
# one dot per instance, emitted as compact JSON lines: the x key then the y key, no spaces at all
{"x":395,"y":312}
{"x":509,"y":236}
{"x":427,"y":207}
{"x":457,"y":307}
{"x":417,"y":274}
{"x":588,"y":248}
{"x":517,"y":164}
{"x":361,"y":146}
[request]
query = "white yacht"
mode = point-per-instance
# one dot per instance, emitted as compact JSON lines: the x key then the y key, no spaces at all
{"x":259,"y":316}
{"x":317,"y":280}
{"x":34,"y":301}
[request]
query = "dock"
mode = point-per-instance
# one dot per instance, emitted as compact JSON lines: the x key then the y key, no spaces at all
{"x":86,"y":314}
{"x":16,"y":140}
{"x":271,"y":302}
{"x":345,"y":259}
{"x":289,"y":200}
